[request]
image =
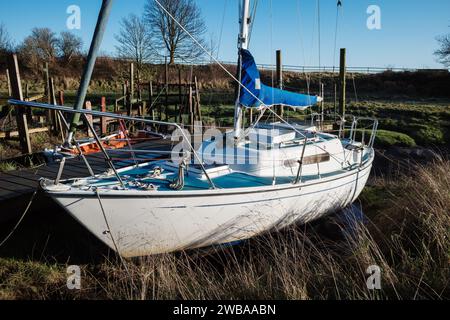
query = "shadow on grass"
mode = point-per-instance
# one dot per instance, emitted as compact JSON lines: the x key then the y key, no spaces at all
{"x":47,"y":232}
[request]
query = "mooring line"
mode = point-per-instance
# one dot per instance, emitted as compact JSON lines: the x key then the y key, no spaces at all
{"x":20,"y":220}
{"x":114,"y":241}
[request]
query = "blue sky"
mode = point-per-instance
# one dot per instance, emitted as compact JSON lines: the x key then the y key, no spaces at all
{"x":406,"y":39}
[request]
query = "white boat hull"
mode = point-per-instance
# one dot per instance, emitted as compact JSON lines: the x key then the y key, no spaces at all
{"x":159,"y":222}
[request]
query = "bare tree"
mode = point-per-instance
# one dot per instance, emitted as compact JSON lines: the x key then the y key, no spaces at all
{"x":134,"y":41}
{"x":443,"y":53}
{"x":68,"y":45}
{"x":5,"y":39}
{"x":38,"y":47}
{"x":168,"y":36}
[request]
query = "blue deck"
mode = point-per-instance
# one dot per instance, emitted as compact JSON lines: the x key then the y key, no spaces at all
{"x":192,"y":182}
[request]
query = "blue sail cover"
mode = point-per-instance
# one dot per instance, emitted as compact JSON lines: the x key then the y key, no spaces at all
{"x":269,"y":96}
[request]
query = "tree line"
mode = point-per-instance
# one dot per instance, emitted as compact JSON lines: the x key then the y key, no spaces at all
{"x":147,"y":38}
{"x":42,"y":45}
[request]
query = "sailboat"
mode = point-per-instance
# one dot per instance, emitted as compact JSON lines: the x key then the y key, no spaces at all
{"x":244,"y":183}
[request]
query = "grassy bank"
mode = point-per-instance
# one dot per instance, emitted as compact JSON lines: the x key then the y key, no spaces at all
{"x":407,"y":235}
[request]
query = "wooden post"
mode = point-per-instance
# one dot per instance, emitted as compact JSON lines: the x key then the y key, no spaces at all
{"x":127,"y":101}
{"x":280,"y":78}
{"x":160,"y":105}
{"x":88,"y":106}
{"x":197,"y":100}
{"x":61,"y":97}
{"x":335,"y":100}
{"x":27,"y":89}
{"x":47,"y":82}
{"x":279,"y":70}
{"x":124,"y":90}
{"x":180,"y":97}
{"x":138,"y":84}
{"x":103,"y":120}
{"x":150,"y":94}
{"x":8,"y":80}
{"x":52,"y":91}
{"x":144,"y":108}
{"x":28,"y":111}
{"x":191,"y":111}
{"x":139,"y":93}
{"x":166,"y":80}
{"x":56,"y":128}
{"x":322,"y":105}
{"x":131,"y":82}
{"x":47,"y":93}
{"x":342,"y":80}
{"x":16,"y":93}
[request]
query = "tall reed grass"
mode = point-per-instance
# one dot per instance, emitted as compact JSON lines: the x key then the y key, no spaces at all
{"x":406,"y":235}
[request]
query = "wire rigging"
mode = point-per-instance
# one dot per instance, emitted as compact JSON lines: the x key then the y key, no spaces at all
{"x":221,"y":28}
{"x":209,"y":53}
{"x":240,"y":85}
{"x":336,"y":30}
{"x":252,"y":20}
{"x":319,"y":38}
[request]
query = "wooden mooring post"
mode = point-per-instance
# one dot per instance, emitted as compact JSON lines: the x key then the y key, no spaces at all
{"x":131,"y":82}
{"x":280,"y":79}
{"x":150,"y":94}
{"x":48,"y":95}
{"x":103,"y":120}
{"x":28,"y":111}
{"x":191,"y":111}
{"x":61,"y":97}
{"x":56,"y":126}
{"x":342,"y":82}
{"x":8,"y":80}
{"x":166,"y":82}
{"x":16,"y":93}
{"x":198,"y":109}
{"x":88,"y":106}
{"x":180,"y":96}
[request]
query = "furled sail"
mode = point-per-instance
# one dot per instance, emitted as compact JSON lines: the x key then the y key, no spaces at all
{"x":266,"y":95}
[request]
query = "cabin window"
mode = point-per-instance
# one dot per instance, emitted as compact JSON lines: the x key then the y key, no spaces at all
{"x":324,"y":157}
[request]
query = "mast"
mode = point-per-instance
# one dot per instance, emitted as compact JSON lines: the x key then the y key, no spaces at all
{"x":244,"y":22}
{"x":89,"y":68}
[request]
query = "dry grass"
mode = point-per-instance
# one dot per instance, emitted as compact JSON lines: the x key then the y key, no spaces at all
{"x":10,"y":148}
{"x":407,"y":236}
{"x":408,"y":239}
